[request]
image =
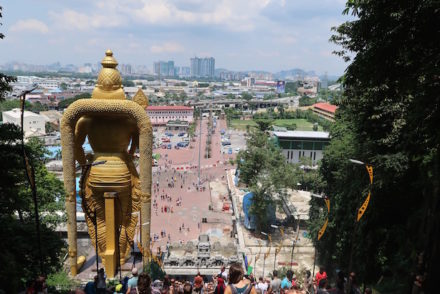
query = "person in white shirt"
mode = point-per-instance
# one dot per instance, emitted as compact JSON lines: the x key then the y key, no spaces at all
{"x":262,"y":285}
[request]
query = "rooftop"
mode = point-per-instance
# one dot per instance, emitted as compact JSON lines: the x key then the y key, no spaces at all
{"x":326,"y":107}
{"x":302,"y":134}
{"x":167,"y":107}
{"x":16,"y":113}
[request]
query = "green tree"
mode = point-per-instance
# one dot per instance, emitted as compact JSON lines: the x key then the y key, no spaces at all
{"x":306,"y":101}
{"x":264,"y":169}
{"x":388,"y":116}
{"x":246,"y":96}
{"x":66,"y":102}
{"x":264,"y":125}
{"x":128,"y":83}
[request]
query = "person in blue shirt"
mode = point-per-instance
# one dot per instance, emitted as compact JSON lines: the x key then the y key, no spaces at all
{"x":132,"y":282}
{"x":286,"y":283}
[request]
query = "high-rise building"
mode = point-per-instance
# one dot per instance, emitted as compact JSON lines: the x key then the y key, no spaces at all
{"x":164,"y":68}
{"x":126,"y":69}
{"x":202,"y":67}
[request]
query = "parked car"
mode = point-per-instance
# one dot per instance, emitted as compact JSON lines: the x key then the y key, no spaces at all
{"x":169,"y":146}
{"x":181,"y":134}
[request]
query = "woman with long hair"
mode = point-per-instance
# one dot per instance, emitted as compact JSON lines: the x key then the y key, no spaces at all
{"x":238,"y":285}
{"x":144,"y":284}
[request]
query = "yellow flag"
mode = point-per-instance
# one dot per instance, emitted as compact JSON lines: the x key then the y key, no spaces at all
{"x":267,"y":253}
{"x":327,"y":202}
{"x":282,"y":232}
{"x":370,"y":172}
{"x":364,"y":206}
{"x":278,"y":249}
{"x":322,"y":230}
{"x":270,"y":238}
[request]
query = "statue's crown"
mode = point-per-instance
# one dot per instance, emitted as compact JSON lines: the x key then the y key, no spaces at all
{"x":109,"y":83}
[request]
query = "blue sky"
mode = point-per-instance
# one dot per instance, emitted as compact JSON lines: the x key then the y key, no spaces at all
{"x":268,"y":35}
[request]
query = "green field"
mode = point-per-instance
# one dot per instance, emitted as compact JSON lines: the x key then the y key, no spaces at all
{"x":301,"y":124}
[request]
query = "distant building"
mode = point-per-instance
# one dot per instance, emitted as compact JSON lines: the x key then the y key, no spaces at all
{"x":126,"y":69}
{"x":177,"y":125}
{"x":33,"y":124}
{"x":160,"y":115}
{"x":325,"y":110}
{"x":298,"y":144}
{"x":164,"y":68}
{"x":202,"y":67}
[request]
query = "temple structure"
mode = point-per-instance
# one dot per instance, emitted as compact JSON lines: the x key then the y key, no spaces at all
{"x":112,"y":191}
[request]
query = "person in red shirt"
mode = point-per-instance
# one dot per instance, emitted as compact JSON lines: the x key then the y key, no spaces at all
{"x":320,"y":275}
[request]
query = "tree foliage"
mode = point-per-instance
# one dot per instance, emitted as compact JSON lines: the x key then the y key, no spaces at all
{"x":264,"y":169}
{"x":388,"y":116}
{"x":19,"y":256}
{"x":66,"y":102}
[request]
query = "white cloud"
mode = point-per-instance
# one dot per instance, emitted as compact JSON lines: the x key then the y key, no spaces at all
{"x":30,"y":25}
{"x":168,"y":47}
{"x":71,"y":19}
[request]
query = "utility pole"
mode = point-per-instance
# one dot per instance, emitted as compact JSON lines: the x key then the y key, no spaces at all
{"x":200,"y":144}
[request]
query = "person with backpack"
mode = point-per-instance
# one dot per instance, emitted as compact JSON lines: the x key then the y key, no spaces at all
{"x":238,"y":285}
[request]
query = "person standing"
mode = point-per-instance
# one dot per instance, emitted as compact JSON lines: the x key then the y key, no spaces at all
{"x":320,"y":275}
{"x":91,"y":286}
{"x":133,"y":281}
{"x":308,"y":282}
{"x":238,"y":285}
{"x":101,"y":286}
{"x":275,"y":284}
{"x":262,"y":286}
{"x":287,"y":281}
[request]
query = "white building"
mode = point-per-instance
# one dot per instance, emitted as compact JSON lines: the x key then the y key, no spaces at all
{"x":160,"y":115}
{"x":33,"y":124}
{"x":298,"y":144}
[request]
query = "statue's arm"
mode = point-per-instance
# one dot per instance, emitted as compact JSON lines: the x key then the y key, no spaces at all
{"x":80,"y":137}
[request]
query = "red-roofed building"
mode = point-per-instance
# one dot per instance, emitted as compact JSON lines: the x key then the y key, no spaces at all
{"x":325,"y":110}
{"x":160,"y":115}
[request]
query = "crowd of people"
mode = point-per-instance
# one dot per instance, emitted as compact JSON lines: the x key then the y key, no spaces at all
{"x":233,"y":281}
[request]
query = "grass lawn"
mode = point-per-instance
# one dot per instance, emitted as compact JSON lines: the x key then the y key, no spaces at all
{"x":301,"y":124}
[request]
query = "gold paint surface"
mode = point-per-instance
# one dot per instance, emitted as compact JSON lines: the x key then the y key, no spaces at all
{"x":112,"y":125}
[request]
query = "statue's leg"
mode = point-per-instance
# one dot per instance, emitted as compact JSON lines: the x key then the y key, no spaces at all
{"x":95,"y":202}
{"x":124,"y":216}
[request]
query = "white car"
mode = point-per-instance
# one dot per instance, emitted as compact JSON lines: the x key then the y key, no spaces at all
{"x":237,"y":149}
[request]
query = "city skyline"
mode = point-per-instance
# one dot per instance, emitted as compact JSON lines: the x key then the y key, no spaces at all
{"x":242,"y":36}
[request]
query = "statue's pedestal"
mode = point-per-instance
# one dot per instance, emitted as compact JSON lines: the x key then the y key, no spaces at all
{"x":110,"y":239}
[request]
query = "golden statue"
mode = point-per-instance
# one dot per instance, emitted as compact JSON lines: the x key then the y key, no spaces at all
{"x":115,"y":128}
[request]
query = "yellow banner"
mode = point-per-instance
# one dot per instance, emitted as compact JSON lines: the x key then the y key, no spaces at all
{"x":267,"y":253}
{"x":282,"y":232}
{"x":370,"y":172}
{"x":327,"y":202}
{"x":322,"y":230}
{"x":278,"y":249}
{"x":364,"y":206}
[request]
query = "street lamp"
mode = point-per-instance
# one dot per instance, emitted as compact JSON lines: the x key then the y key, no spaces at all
{"x":355,"y":161}
{"x":363,"y":207}
{"x":30,"y":174}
